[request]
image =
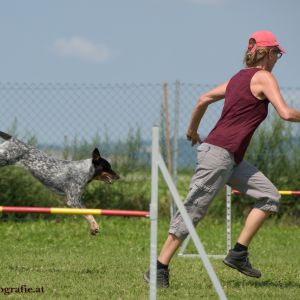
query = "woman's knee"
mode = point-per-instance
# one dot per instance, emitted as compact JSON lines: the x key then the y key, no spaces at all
{"x":269,"y":203}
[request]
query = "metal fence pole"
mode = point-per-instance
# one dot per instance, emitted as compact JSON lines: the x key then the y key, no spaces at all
{"x":228,"y":217}
{"x":175,"y":140}
{"x":153,"y":213}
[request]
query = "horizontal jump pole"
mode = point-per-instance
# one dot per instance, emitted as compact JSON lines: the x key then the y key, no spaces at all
{"x":285,"y":193}
{"x":74,"y":211}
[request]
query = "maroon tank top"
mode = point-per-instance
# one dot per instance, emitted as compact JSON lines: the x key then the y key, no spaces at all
{"x":242,"y":113}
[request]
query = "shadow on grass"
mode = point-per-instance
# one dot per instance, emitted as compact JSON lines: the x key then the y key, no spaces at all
{"x":263,"y":283}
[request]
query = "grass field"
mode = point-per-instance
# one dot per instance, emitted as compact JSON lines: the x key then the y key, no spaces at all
{"x":61,"y":257}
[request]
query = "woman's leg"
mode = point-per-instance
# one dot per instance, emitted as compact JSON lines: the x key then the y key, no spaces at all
{"x":253,"y":222}
{"x":250,"y":181}
{"x":170,"y":246}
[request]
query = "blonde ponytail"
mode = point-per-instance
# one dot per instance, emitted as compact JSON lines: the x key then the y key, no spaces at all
{"x":253,"y":57}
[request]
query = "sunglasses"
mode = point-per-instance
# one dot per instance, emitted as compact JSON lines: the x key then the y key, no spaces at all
{"x":277,"y":52}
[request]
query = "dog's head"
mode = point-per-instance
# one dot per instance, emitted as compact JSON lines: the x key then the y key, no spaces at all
{"x":103,"y":170}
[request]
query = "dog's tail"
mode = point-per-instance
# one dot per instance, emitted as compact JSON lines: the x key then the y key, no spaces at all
{"x":5,"y":136}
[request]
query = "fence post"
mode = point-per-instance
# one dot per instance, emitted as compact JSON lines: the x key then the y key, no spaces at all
{"x":175,"y":140}
{"x":153,"y":212}
{"x":167,"y":127}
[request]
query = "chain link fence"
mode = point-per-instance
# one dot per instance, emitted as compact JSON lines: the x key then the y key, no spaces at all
{"x":69,"y":120}
{"x":56,"y":114}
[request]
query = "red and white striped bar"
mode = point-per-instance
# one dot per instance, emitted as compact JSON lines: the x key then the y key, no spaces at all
{"x":285,"y":193}
{"x":74,"y":211}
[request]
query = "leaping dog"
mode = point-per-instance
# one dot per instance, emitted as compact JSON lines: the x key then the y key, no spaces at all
{"x":63,"y":177}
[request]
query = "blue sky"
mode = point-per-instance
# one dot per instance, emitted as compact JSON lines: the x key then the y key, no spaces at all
{"x":195,"y":41}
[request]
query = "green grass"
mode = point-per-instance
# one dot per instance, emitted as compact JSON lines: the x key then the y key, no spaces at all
{"x":68,"y":263}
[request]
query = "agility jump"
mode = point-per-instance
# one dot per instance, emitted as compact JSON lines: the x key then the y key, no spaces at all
{"x":283,"y":193}
{"x":74,"y":211}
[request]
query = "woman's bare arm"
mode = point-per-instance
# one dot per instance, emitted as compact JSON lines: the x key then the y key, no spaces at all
{"x":269,"y":87}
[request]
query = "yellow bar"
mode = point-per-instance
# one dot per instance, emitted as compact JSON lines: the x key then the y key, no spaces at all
{"x":285,"y":192}
{"x":280,"y":192}
{"x":1,"y":208}
{"x":76,"y":211}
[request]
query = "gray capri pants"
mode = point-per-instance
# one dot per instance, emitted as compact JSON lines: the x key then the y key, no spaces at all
{"x":215,"y":168}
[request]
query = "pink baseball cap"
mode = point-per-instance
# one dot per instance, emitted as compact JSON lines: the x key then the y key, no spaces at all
{"x":264,"y":39}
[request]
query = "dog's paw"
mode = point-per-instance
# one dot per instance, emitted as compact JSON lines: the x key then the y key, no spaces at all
{"x":94,"y":229}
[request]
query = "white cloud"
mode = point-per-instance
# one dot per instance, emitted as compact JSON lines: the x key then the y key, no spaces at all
{"x":82,"y":48}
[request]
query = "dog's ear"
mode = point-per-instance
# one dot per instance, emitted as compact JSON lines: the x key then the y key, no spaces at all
{"x":96,"y":155}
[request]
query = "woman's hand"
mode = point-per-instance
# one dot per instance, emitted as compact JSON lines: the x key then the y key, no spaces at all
{"x":193,"y":136}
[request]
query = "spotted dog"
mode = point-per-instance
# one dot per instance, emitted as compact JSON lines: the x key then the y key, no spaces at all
{"x":63,"y":177}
